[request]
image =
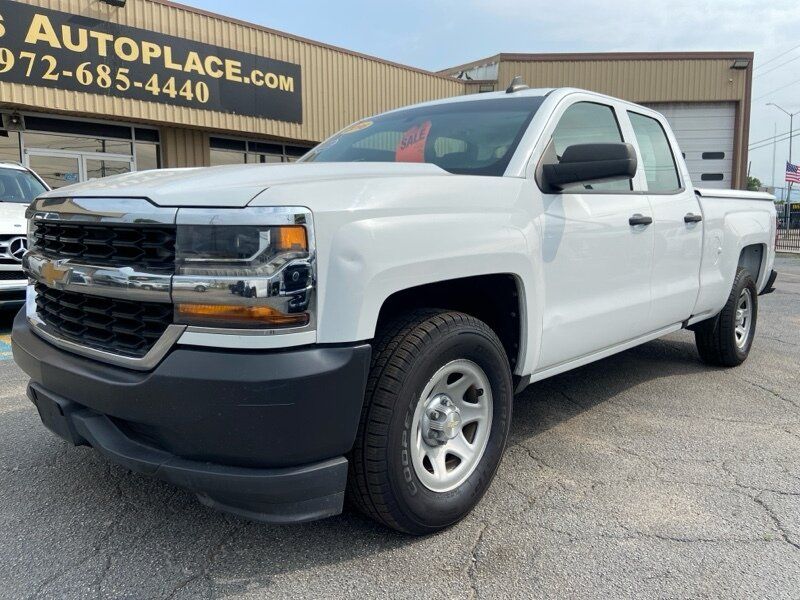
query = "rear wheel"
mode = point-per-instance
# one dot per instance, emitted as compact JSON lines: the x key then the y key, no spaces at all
{"x":726,"y":340}
{"x":435,"y":421}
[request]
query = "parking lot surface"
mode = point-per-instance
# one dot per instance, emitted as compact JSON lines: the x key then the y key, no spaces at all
{"x":647,"y":474}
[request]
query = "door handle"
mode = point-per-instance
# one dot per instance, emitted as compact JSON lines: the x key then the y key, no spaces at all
{"x":692,"y":218}
{"x":639,"y":219}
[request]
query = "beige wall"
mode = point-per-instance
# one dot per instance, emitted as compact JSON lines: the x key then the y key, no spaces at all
{"x":184,"y":148}
{"x":339,"y":87}
{"x":670,"y":79}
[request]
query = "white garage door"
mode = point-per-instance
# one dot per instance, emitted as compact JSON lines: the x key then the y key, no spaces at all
{"x":705,"y":133}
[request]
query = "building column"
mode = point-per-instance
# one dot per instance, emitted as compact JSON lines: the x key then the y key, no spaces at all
{"x":184,"y":148}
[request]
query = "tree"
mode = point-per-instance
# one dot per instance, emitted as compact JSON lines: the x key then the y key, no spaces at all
{"x":753,"y":184}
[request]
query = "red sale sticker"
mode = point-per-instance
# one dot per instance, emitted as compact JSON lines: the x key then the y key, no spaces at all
{"x":412,"y":145}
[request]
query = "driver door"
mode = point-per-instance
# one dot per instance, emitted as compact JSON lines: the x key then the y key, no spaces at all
{"x":596,"y":264}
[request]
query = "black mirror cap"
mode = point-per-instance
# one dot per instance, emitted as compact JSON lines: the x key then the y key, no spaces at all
{"x":592,"y":163}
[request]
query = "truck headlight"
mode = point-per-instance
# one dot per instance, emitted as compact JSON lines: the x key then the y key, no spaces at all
{"x":244,"y":268}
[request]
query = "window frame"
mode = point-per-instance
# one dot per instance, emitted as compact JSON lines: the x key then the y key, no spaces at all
{"x":670,"y":145}
{"x":625,"y":131}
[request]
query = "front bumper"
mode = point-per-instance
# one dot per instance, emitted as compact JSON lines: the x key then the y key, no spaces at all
{"x":259,"y":434}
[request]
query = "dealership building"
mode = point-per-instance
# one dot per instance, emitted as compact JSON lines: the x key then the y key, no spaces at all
{"x":89,"y":89}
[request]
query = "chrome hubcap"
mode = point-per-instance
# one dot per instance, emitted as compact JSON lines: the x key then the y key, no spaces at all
{"x":451,"y":425}
{"x":744,"y":318}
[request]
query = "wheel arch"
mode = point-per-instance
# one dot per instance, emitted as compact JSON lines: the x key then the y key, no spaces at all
{"x":497,"y":299}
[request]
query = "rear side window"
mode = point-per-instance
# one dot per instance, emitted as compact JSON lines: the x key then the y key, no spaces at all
{"x":659,"y":164}
{"x":588,"y":123}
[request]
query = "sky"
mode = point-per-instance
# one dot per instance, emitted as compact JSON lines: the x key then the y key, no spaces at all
{"x":435,"y":34}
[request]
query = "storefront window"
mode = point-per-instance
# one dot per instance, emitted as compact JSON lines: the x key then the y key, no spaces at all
{"x":97,"y":168}
{"x":226,"y":157}
{"x":75,"y":143}
{"x":147,"y":156}
{"x":227,"y":151}
{"x":67,"y":151}
{"x":9,"y":146}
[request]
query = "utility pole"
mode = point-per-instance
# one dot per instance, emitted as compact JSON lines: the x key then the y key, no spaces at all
{"x":774,"y":149}
{"x":791,"y":135}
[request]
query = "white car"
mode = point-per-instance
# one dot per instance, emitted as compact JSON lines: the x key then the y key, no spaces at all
{"x":271,"y":337}
{"x":18,"y":187}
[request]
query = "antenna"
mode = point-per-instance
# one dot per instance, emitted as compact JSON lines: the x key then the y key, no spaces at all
{"x":516,"y":85}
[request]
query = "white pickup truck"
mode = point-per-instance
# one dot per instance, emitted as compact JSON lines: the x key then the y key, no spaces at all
{"x":272,"y":337}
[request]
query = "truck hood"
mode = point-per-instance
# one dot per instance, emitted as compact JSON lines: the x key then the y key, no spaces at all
{"x":12,"y":218}
{"x":231,"y":185}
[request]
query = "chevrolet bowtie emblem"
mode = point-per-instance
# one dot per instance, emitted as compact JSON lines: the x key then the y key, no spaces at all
{"x":53,"y":273}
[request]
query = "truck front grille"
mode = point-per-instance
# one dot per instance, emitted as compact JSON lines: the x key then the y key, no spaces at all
{"x":140,"y":246}
{"x":117,"y":326}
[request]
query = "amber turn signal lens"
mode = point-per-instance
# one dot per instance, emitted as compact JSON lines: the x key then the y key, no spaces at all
{"x":260,"y":315}
{"x":291,"y":237}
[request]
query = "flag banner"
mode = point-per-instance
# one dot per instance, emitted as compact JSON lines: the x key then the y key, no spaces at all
{"x":792,"y":173}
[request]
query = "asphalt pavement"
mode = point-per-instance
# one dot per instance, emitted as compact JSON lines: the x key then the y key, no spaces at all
{"x":645,"y":475}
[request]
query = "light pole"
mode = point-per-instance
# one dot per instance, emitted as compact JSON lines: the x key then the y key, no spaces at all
{"x":791,"y":135}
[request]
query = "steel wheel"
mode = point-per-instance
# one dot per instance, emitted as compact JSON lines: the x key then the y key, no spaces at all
{"x":451,"y":425}
{"x":744,"y":318}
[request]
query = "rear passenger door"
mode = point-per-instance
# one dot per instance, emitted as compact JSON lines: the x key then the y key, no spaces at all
{"x":677,"y":222}
{"x":596,"y":265}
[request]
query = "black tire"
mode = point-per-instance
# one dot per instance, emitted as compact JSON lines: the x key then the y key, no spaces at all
{"x":716,"y":338}
{"x":408,"y":352}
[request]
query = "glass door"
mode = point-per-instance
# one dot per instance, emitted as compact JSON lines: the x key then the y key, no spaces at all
{"x":57,"y":169}
{"x":95,"y":168}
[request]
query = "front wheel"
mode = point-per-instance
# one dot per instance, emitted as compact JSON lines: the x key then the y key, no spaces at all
{"x":435,"y":422}
{"x":725,"y":340}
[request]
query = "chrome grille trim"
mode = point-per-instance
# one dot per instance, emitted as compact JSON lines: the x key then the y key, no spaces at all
{"x":146,"y":363}
{"x":123,"y":283}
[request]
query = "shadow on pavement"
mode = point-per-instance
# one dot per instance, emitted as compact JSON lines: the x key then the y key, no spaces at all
{"x":548,"y":403}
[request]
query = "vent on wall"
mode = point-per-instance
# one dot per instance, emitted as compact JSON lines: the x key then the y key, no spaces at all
{"x":713,"y":155}
{"x":712,"y":177}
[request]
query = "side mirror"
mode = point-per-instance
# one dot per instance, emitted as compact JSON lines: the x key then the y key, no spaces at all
{"x":585,"y":163}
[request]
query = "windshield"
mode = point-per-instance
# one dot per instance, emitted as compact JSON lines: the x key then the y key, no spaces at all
{"x":477,"y":137}
{"x":19,"y":186}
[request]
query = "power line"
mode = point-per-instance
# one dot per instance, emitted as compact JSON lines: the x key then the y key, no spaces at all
{"x":774,"y":58}
{"x":775,"y":141}
{"x":783,"y":87}
{"x":769,"y":139}
{"x":775,"y":68}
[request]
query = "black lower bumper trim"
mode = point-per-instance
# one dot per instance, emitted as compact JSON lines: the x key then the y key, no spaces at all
{"x":287,"y":495}
{"x":262,"y":434}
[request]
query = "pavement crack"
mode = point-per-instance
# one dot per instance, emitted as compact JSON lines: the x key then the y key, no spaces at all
{"x":472,"y":571}
{"x":773,"y":392}
{"x":777,"y":522}
{"x":211,"y":556}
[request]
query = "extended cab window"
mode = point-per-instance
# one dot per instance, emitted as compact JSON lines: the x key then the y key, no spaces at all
{"x":19,"y":186}
{"x":659,"y":163}
{"x":588,"y":123}
{"x":467,"y":138}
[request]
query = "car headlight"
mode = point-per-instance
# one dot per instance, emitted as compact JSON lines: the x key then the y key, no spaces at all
{"x":244,"y":268}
